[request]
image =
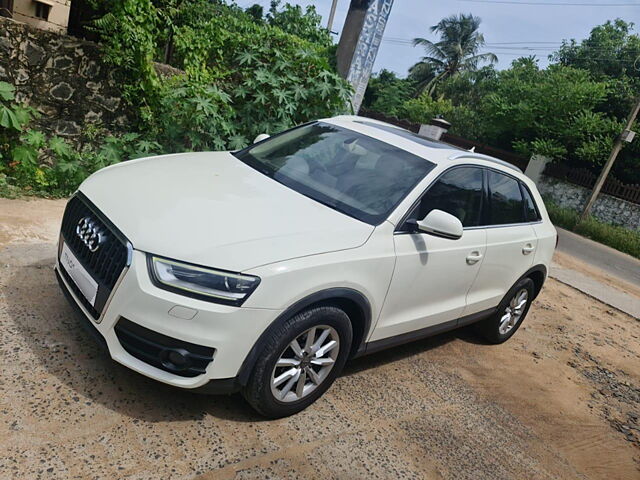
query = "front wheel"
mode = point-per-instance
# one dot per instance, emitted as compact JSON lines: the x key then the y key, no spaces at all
{"x":299,"y":361}
{"x":510,"y":313}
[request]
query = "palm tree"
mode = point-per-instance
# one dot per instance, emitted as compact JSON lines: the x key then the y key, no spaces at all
{"x":457,"y":51}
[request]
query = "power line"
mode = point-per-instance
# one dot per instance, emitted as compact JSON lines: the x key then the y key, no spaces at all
{"x":566,"y":4}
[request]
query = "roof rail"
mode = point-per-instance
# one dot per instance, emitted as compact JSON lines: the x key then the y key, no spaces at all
{"x":480,"y":156}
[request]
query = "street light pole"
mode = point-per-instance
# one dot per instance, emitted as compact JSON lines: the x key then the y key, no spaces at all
{"x":617,"y":146}
{"x":332,"y":13}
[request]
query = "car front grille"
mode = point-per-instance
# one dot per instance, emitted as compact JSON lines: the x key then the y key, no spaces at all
{"x":166,"y":353}
{"x":105,"y":265}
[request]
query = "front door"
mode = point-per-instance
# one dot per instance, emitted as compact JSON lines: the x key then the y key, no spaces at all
{"x":432,"y":274}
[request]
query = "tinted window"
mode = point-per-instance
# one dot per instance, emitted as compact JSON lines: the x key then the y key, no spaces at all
{"x":529,"y":206}
{"x":506,"y":199}
{"x":347,"y":171}
{"x":458,"y":192}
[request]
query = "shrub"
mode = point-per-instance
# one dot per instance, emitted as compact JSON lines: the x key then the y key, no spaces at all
{"x":242,"y":76}
{"x":620,"y":238}
{"x":32,"y":163}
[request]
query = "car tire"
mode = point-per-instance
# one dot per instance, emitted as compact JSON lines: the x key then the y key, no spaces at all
{"x":510,"y":314}
{"x":291,"y":371}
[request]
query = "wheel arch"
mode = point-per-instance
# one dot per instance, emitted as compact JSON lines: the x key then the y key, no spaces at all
{"x":538,"y":274}
{"x":354,"y":304}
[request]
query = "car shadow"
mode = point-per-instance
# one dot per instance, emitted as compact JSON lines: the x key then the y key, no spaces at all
{"x":52,"y":331}
{"x":416,"y":347}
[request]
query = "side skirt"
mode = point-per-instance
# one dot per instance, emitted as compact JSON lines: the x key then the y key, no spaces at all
{"x":389,"y":342}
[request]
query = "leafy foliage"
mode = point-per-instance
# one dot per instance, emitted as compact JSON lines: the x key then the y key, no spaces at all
{"x":611,"y":54}
{"x":244,"y":75}
{"x":620,"y":238}
{"x":457,"y":50}
{"x":31,"y":162}
{"x":570,"y":111}
{"x":548,"y":111}
{"x":304,"y":24}
{"x":464,"y":120}
{"x":386,"y":92}
{"x":131,"y":26}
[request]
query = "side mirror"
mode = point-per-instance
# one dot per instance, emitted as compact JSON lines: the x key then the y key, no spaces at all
{"x":259,"y":138}
{"x":441,"y":224}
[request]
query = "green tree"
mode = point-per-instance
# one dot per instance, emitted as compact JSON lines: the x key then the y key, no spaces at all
{"x":457,"y":50}
{"x":611,"y":54}
{"x":305,"y":24}
{"x":549,"y":111}
{"x":256,"y":12}
{"x":386,"y":92}
{"x":242,"y":76}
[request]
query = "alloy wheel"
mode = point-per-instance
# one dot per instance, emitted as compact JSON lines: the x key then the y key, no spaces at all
{"x":305,"y":363}
{"x":513,"y":312}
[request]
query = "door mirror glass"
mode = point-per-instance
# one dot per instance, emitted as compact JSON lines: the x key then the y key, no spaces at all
{"x":441,"y":224}
{"x":259,"y":138}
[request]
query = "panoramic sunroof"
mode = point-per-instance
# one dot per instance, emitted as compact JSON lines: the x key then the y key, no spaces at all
{"x":401,"y":132}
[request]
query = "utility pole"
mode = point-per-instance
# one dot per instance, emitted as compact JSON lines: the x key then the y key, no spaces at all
{"x":332,"y":13}
{"x":359,"y":42}
{"x":626,"y":136}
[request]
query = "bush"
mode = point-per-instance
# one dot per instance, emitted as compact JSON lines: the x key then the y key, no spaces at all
{"x":242,"y":77}
{"x":620,"y":238}
{"x":464,"y":121}
{"x":32,"y":163}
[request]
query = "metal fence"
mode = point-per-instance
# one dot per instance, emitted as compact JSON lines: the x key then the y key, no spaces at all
{"x":580,"y":176}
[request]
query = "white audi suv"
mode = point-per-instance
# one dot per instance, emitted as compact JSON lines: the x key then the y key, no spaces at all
{"x":264,"y":270}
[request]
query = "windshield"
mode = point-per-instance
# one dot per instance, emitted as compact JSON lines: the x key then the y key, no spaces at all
{"x":350,"y":172}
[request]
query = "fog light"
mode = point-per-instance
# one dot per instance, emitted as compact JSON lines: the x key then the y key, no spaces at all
{"x":175,"y":359}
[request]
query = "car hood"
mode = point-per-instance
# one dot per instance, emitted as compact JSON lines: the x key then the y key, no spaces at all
{"x":213,"y":210}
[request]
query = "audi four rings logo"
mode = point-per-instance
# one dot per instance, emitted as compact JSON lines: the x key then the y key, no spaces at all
{"x":89,"y":233}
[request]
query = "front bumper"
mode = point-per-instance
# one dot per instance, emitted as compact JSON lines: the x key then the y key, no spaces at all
{"x":230,"y":331}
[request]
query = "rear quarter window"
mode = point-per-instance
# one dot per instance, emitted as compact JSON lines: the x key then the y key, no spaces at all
{"x":530,"y":209}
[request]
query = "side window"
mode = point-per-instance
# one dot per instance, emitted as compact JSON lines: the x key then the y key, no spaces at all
{"x":530,"y":210}
{"x":506,"y":199}
{"x":458,"y":192}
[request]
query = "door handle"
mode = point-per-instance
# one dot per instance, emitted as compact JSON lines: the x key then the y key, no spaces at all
{"x":527,"y":249}
{"x":473,"y":257}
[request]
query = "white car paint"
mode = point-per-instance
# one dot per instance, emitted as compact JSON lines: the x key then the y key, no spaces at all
{"x":212,"y":210}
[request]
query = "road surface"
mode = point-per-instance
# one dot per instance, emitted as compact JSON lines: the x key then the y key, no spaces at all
{"x":613,"y":262}
{"x":560,"y":400}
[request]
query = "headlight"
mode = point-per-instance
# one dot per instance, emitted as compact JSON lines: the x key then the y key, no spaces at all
{"x":202,"y":283}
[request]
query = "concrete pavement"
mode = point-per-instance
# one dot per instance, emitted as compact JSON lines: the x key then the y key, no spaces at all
{"x":614,"y":277}
{"x":612,"y":261}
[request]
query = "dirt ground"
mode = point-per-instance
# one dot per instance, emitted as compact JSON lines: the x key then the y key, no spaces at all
{"x":560,"y":400}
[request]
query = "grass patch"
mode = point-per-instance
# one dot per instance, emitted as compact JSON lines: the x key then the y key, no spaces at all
{"x":620,"y":238}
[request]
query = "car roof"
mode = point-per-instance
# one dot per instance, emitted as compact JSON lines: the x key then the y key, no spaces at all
{"x":435,"y":151}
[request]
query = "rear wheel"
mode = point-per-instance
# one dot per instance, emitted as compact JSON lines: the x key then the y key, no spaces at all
{"x":510,"y":313}
{"x":299,"y":361}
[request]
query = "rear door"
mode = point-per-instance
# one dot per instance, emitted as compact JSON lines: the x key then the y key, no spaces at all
{"x":432,"y":274}
{"x":511,"y":241}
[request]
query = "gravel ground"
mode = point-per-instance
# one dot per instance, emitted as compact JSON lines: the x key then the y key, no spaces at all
{"x":559,"y":400}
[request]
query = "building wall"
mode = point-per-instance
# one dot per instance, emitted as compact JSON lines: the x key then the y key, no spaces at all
{"x":63,"y":78}
{"x":25,"y":11}
{"x":606,"y":209}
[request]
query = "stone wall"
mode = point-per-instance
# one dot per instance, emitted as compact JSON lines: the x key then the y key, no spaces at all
{"x":606,"y":209}
{"x":62,"y":77}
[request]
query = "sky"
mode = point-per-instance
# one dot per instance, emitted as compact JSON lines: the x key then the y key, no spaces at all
{"x":510,"y":30}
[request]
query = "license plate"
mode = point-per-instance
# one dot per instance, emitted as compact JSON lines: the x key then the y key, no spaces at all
{"x":87,"y":285}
